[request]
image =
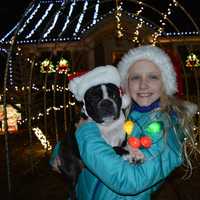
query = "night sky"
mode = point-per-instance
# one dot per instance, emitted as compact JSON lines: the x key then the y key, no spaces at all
{"x":11,"y":14}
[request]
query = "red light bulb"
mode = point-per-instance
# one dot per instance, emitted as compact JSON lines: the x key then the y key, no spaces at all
{"x":134,"y":142}
{"x":146,"y":141}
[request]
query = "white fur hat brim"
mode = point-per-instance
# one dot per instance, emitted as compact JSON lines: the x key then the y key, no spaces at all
{"x":99,"y":75}
{"x":155,"y":55}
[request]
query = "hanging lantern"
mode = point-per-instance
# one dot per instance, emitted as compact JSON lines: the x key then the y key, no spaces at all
{"x":63,"y":66}
{"x":192,"y":61}
{"x":47,"y":66}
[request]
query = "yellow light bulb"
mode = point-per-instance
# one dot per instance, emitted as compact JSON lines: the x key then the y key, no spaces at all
{"x":128,"y":126}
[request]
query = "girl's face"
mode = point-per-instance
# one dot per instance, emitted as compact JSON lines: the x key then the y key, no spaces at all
{"x":144,"y":82}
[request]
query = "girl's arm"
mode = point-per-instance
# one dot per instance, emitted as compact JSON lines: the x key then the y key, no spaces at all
{"x":116,"y":173}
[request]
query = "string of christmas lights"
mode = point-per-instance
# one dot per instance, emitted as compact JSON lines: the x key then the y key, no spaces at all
{"x":95,"y":16}
{"x":118,"y":15}
{"x":40,"y":115}
{"x":139,"y":25}
{"x":42,"y":138}
{"x":81,"y":18}
{"x":40,"y":21}
{"x":158,"y":33}
{"x":35,"y":11}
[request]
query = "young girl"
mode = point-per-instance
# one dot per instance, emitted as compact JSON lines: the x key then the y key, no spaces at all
{"x":160,"y":126}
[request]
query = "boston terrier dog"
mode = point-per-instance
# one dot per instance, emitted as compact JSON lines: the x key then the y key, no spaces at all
{"x":102,"y":103}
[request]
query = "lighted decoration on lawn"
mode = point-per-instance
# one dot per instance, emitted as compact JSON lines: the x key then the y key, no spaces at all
{"x":45,"y":143}
{"x":192,"y":61}
{"x":151,"y":132}
{"x":47,"y":66}
{"x":13,"y":117}
{"x":63,"y":66}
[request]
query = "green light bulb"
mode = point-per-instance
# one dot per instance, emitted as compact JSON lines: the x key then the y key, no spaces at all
{"x":154,"y":127}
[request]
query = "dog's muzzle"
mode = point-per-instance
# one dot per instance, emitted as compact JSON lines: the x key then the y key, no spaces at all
{"x":107,"y":110}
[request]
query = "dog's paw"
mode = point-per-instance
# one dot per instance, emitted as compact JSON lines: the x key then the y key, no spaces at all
{"x":135,"y":156}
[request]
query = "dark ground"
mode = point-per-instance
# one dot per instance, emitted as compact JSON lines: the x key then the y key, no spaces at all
{"x":45,"y":184}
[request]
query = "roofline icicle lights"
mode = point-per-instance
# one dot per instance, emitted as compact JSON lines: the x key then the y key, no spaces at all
{"x":29,"y":19}
{"x":68,"y":16}
{"x":81,"y":18}
{"x":40,"y":21}
{"x":182,"y":33}
{"x":96,"y":13}
{"x":54,"y":22}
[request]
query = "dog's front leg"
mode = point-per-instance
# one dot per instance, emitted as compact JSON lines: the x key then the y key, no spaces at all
{"x":134,"y":156}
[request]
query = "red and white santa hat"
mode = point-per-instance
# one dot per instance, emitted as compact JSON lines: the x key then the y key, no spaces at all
{"x":102,"y":74}
{"x":99,"y":75}
{"x":155,"y":55}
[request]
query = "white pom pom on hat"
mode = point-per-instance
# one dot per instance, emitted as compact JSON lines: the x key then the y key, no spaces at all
{"x":102,"y":74}
{"x":155,"y":55}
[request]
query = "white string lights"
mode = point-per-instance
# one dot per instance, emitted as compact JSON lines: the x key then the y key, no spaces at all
{"x":38,"y":6}
{"x":42,"y":138}
{"x":158,"y":33}
{"x":94,"y":21}
{"x":118,"y":15}
{"x":53,"y":25}
{"x":139,"y":25}
{"x":140,"y":10}
{"x":54,"y":22}
{"x":29,"y":19}
{"x":81,"y":18}
{"x":40,"y":21}
{"x":68,"y":16}
{"x":40,"y":115}
{"x":10,"y":72}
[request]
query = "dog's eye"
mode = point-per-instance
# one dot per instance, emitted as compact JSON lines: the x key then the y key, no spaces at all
{"x":96,"y":95}
{"x":113,"y":95}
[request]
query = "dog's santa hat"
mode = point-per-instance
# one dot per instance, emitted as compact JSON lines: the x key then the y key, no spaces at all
{"x":99,"y":75}
{"x":155,"y":55}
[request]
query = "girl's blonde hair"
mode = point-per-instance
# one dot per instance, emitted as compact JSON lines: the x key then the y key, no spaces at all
{"x":185,"y":112}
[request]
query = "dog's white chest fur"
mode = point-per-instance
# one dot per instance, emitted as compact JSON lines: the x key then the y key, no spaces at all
{"x":113,"y":133}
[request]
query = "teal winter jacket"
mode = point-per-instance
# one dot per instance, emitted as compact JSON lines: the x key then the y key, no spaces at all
{"x":107,"y":176}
